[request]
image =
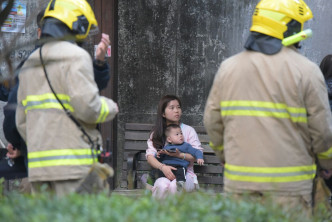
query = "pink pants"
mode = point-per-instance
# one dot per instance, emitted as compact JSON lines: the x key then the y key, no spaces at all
{"x":163,"y":186}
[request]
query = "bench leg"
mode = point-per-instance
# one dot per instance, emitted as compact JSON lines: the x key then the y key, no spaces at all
{"x":130,"y":171}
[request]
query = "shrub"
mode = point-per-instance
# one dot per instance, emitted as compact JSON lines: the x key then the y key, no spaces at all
{"x":103,"y":207}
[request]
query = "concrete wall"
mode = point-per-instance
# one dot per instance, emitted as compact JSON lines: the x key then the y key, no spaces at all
{"x":320,"y":44}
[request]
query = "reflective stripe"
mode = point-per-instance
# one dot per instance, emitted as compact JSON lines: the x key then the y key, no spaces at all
{"x":220,"y":148}
{"x":46,"y":101}
{"x":264,"y":109}
{"x":270,"y":174}
{"x":326,"y":155}
{"x":104,"y":111}
{"x":51,"y":163}
{"x":60,"y":157}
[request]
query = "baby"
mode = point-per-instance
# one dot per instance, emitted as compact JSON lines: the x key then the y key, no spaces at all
{"x":174,"y":137}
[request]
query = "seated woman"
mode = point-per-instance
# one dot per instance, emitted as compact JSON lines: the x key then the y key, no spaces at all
{"x":169,"y":112}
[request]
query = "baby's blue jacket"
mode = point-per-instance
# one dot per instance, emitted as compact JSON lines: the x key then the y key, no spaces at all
{"x":184,"y":148}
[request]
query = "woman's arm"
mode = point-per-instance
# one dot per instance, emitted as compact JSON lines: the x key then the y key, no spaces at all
{"x":167,"y":170}
{"x":188,"y":157}
{"x":191,"y":137}
{"x":151,"y":152}
{"x":178,"y":154}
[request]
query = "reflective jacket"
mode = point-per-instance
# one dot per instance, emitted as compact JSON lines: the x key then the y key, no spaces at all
{"x":269,"y":114}
{"x":57,"y":149}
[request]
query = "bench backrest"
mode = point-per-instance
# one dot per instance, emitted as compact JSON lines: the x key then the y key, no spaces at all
{"x":136,"y":135}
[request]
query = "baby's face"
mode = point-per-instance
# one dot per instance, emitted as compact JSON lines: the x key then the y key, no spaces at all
{"x":175,"y":136}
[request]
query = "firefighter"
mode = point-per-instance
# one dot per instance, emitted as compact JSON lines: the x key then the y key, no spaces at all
{"x":267,"y":113}
{"x":58,"y":100}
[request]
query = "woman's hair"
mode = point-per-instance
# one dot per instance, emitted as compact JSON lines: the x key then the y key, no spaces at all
{"x":158,"y":136}
{"x":326,"y":67}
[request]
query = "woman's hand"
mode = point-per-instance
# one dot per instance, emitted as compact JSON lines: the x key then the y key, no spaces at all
{"x":176,"y":154}
{"x":167,"y":171}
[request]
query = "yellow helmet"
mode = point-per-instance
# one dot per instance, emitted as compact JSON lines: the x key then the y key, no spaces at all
{"x":76,"y":14}
{"x":273,"y":17}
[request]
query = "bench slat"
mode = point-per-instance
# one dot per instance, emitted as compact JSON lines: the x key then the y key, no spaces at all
{"x":199,"y":129}
{"x":207,"y":158}
{"x":207,"y":149}
{"x":135,"y":146}
{"x":211,"y":159}
{"x":148,"y":127}
{"x":142,"y":145}
{"x":210,"y":180}
{"x":201,"y":179}
{"x":140,"y":136}
{"x":207,"y":169}
{"x":144,"y":136}
{"x":143,"y":166}
{"x":139,"y":126}
{"x":203,"y":138}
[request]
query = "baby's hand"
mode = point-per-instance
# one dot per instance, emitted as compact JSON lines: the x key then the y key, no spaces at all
{"x":200,"y":162}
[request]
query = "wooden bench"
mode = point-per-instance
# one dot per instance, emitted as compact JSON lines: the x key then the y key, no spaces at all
{"x":135,"y":164}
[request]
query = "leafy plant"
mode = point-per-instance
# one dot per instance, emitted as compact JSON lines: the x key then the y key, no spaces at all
{"x":143,"y":207}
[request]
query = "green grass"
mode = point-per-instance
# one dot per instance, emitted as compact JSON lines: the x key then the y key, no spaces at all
{"x":103,"y":207}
